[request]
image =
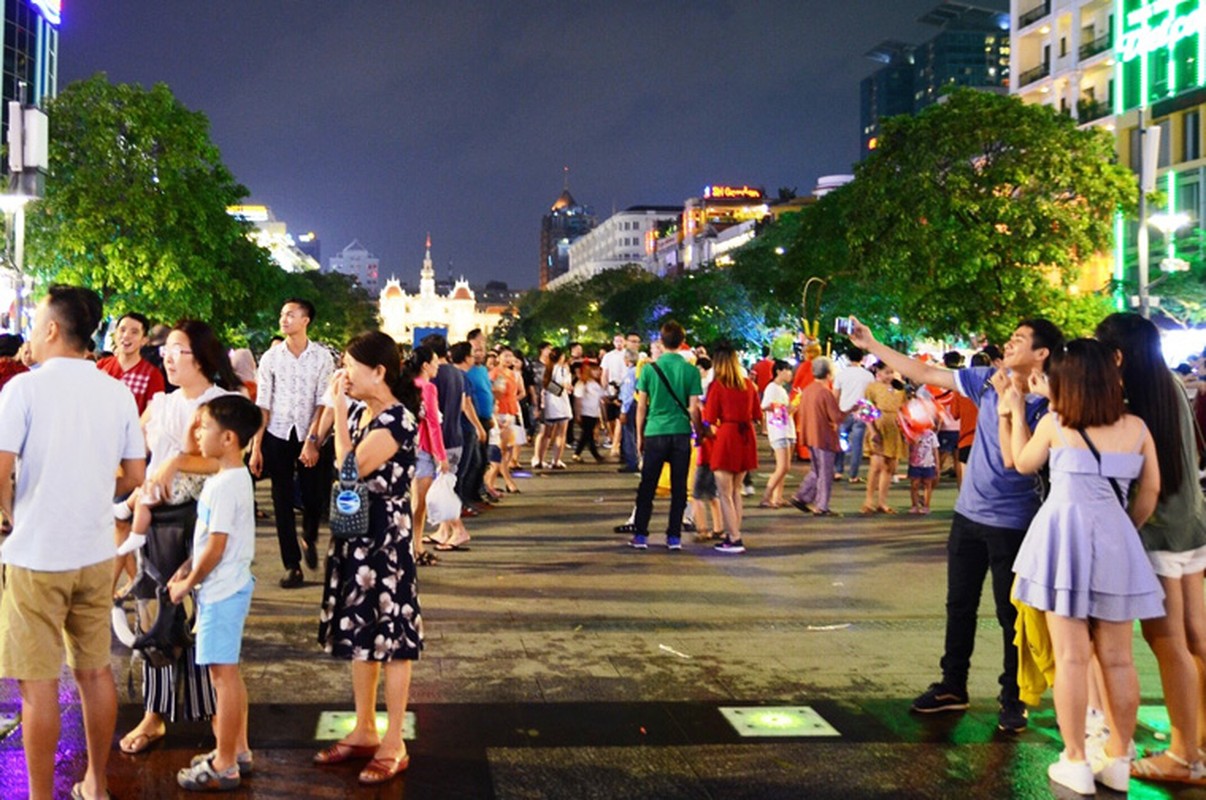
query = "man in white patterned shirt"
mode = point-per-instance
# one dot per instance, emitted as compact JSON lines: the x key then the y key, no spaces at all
{"x":292,"y":378}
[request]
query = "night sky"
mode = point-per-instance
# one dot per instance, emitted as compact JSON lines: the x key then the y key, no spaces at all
{"x":381,"y":120}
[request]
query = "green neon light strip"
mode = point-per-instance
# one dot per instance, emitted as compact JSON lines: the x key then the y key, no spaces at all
{"x":1119,"y":12}
{"x":1119,"y":260}
{"x":1172,"y":209}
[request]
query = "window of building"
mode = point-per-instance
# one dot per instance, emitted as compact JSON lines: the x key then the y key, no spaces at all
{"x":1063,"y":46}
{"x":1191,"y":135}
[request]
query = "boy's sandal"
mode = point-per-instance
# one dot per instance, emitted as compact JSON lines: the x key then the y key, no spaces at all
{"x":427,"y":559}
{"x":203,"y":777}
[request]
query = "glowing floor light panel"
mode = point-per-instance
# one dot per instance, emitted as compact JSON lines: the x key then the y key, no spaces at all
{"x":9,"y":723}
{"x":334,"y":725}
{"x":750,"y":721}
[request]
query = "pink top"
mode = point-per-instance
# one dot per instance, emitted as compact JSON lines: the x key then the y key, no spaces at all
{"x":431,"y":439}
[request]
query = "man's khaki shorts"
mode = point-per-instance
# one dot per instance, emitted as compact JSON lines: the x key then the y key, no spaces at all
{"x":43,"y":613}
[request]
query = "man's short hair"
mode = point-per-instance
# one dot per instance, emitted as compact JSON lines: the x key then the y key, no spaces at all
{"x":237,"y":414}
{"x":141,"y":319}
{"x":437,"y":342}
{"x":821,"y":367}
{"x":632,"y":333}
{"x":473,"y":334}
{"x":673,"y":335}
{"x":855,"y":354}
{"x":952,"y":359}
{"x":1046,"y":334}
{"x":779,"y":366}
{"x":460,"y":352}
{"x":304,"y":304}
{"x":78,"y":312}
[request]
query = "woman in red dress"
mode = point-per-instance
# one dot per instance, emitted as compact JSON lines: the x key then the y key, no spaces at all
{"x":730,"y":412}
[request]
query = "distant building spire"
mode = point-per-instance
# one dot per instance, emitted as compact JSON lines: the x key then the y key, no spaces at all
{"x":427,"y":275}
{"x":565,"y":182}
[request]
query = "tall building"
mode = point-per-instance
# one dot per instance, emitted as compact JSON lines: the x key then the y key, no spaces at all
{"x":564,"y":224}
{"x":31,"y":52}
{"x":357,"y":261}
{"x":311,"y":245}
{"x":972,"y":50}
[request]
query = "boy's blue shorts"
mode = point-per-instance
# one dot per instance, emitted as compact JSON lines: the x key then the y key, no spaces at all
{"x":220,"y":627}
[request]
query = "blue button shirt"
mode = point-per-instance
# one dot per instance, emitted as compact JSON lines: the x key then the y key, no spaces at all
{"x":477,"y":384}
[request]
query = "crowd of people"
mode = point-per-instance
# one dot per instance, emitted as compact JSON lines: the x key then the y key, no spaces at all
{"x":158,"y":467}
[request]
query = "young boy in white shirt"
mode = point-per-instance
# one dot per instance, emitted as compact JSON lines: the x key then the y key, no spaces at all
{"x":220,"y":572}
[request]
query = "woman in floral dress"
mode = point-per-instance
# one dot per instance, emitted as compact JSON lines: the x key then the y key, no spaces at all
{"x":370,"y":604}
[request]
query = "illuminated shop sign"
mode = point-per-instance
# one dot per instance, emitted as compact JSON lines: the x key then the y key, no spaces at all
{"x":52,"y":10}
{"x":1157,"y":25}
{"x":731,"y":193}
{"x":249,"y":213}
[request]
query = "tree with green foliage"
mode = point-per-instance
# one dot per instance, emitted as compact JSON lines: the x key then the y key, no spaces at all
{"x":135,"y":208}
{"x":969,"y":215}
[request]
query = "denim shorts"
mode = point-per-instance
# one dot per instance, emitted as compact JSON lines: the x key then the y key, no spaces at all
{"x":705,"y":483}
{"x":425,"y":465}
{"x":220,"y":627}
{"x":785,"y":443}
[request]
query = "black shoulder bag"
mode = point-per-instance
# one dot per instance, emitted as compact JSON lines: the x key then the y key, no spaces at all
{"x":1097,"y":455}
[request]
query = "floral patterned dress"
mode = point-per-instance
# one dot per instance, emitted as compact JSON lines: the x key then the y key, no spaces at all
{"x":370,"y":600}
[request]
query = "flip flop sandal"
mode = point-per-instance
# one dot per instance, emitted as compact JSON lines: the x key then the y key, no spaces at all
{"x":446,"y":547}
{"x":77,"y":793}
{"x":129,"y":743}
{"x":432,"y":540}
{"x":427,"y":559}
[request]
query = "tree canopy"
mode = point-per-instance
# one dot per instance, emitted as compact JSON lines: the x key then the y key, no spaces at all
{"x":135,"y":208}
{"x":969,"y":215}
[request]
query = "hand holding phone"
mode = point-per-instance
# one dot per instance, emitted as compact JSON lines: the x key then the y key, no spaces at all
{"x":843,"y":326}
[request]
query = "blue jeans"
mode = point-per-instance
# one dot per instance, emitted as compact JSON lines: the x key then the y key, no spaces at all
{"x":628,"y":451}
{"x":855,"y":430}
{"x":675,"y":450}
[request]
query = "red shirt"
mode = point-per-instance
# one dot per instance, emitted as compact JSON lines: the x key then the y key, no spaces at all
{"x":9,"y":369}
{"x":763,"y":374}
{"x":144,"y":380}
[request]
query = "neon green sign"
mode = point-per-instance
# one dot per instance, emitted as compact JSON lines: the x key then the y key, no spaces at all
{"x":1157,"y":26}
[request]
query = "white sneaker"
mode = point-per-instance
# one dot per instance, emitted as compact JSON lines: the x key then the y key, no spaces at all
{"x":747,"y":490}
{"x":1114,"y":773}
{"x":1075,"y":775}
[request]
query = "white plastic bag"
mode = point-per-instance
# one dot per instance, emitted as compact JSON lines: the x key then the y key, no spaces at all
{"x":443,"y":504}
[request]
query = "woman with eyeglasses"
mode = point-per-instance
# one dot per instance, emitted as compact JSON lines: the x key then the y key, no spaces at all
{"x":197,"y":364}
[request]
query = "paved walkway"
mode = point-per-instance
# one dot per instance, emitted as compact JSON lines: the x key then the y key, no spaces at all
{"x":559,"y":663}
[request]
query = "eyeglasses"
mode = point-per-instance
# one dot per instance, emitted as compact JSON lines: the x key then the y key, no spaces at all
{"x":175,"y":351}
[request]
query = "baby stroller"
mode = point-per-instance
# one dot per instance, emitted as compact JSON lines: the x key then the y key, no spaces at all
{"x":162,"y":629}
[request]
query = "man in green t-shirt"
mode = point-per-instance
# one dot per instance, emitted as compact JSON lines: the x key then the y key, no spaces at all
{"x":668,"y":392}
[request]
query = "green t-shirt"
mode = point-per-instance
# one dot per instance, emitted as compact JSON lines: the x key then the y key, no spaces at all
{"x":663,"y":415}
{"x":1179,"y":521}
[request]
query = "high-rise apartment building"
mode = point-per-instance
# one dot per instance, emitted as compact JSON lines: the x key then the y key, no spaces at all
{"x":1063,"y":57}
{"x":31,"y":52}
{"x":972,"y":50}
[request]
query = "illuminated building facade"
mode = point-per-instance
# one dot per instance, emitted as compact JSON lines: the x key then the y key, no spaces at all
{"x":720,"y":220}
{"x":1063,"y":57}
{"x":565,"y":223}
{"x":30,"y":74}
{"x":31,"y":51}
{"x":1160,"y":67}
{"x":408,"y":317}
{"x":357,"y":261}
{"x":972,"y":50}
{"x":623,"y":238}
{"x":273,"y":235}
